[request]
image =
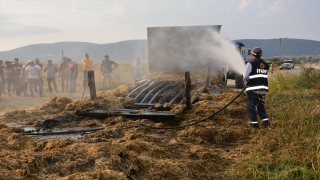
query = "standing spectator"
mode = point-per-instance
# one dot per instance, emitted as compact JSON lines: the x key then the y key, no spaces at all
{"x":16,"y":80}
{"x":64,"y":72}
{"x":272,"y":67}
{"x":106,"y":71}
{"x":87,"y":65}
{"x":0,"y":88}
{"x":137,"y":69}
{"x":37,"y":62}
{"x":1,"y":73}
{"x":33,"y":77}
{"x":73,"y":67}
{"x":23,"y":82}
{"x":50,"y":70}
{"x":9,"y":74}
{"x":2,"y":78}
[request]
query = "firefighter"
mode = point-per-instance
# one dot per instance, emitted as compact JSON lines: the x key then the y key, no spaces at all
{"x":256,"y":80}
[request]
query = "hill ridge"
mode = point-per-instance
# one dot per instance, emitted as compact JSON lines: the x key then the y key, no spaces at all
{"x":127,"y":50}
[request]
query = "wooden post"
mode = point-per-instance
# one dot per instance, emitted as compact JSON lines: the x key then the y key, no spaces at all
{"x":209,"y":72}
{"x":187,"y":85}
{"x":92,"y":85}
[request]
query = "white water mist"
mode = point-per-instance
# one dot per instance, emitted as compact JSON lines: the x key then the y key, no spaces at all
{"x":225,"y":51}
{"x":188,"y":47}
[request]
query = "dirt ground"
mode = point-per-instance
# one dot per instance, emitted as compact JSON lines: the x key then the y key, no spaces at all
{"x":21,"y":102}
{"x":124,"y":149}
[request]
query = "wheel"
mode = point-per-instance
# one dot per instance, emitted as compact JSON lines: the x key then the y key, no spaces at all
{"x":239,"y":81}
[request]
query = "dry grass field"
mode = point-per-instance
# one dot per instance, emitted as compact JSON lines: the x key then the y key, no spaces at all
{"x":223,"y":147}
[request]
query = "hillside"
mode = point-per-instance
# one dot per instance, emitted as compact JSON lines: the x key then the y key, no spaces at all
{"x":119,"y":51}
{"x":127,"y":50}
{"x":290,"y":47}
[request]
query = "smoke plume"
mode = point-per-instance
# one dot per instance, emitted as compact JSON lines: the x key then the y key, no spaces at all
{"x":191,"y":47}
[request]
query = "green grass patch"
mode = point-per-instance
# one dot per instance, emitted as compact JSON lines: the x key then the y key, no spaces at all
{"x":304,"y":80}
{"x":290,"y":148}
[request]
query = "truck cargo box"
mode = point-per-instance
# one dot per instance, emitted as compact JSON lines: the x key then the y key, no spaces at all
{"x":180,"y":47}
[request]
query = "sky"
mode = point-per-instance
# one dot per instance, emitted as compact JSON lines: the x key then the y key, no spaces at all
{"x":26,"y":22}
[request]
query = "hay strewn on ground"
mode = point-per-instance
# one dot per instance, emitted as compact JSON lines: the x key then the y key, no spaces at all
{"x":203,"y":151}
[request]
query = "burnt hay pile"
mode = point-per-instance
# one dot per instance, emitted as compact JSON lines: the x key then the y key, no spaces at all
{"x":203,"y":151}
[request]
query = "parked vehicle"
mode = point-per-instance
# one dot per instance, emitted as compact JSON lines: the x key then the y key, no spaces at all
{"x":180,"y":47}
{"x":291,"y":62}
{"x":287,"y":66}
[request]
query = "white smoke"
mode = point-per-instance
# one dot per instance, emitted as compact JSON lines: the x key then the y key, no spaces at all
{"x":191,"y":47}
{"x":226,"y":51}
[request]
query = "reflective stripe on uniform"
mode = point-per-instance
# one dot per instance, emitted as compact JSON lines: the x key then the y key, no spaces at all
{"x":266,"y":119}
{"x":254,"y":122}
{"x":256,"y":87}
{"x":258,"y":76}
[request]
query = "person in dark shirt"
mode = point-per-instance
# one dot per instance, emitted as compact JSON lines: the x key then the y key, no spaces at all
{"x":9,"y":74}
{"x":23,"y":82}
{"x":37,"y":62}
{"x":2,"y":78}
{"x":16,"y":79}
{"x":50,"y":70}
{"x":106,"y":71}
{"x":73,"y":67}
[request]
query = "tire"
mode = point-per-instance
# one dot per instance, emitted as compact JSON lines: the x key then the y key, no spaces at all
{"x":239,"y":81}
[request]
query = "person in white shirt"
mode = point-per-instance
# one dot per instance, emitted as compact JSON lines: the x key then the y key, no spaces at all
{"x":33,"y":76}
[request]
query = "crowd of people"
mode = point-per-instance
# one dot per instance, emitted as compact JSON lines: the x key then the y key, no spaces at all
{"x":18,"y":79}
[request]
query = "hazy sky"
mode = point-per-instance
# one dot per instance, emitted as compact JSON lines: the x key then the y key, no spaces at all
{"x":25,"y":22}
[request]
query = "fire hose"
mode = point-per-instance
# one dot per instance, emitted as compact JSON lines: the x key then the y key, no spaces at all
{"x":148,"y":127}
{"x":196,"y":122}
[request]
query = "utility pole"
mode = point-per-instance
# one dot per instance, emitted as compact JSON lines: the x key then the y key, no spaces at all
{"x":280,"y":39}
